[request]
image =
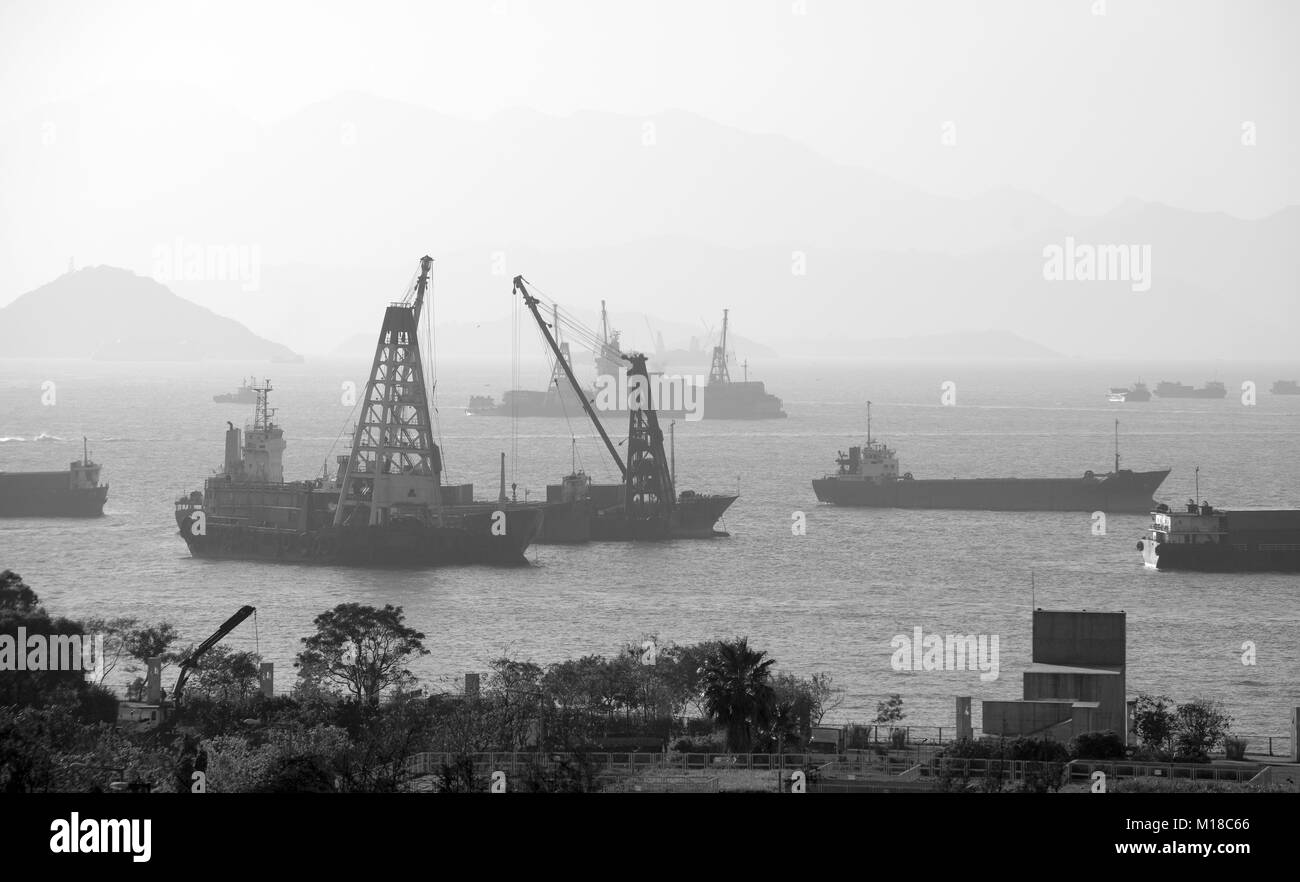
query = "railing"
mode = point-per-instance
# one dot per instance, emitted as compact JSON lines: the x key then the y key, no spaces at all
{"x":701,"y":772}
{"x":1241,"y":774}
{"x":630,"y":762}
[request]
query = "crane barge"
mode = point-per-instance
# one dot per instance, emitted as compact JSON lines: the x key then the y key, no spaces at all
{"x":646,"y":505}
{"x":386,"y":505}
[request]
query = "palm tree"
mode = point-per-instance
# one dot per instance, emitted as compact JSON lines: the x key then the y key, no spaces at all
{"x":737,"y":691}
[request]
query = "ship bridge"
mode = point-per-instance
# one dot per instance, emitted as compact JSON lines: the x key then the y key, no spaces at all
{"x":1195,"y":525}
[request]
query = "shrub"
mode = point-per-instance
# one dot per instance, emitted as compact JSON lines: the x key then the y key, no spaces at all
{"x":1201,"y":726}
{"x":1235,"y":748}
{"x":1098,"y":746}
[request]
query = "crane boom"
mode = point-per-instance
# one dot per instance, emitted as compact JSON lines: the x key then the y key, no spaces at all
{"x":531,"y":302}
{"x":192,"y":660}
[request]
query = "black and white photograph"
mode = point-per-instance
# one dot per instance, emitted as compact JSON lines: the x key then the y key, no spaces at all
{"x":893,"y":400}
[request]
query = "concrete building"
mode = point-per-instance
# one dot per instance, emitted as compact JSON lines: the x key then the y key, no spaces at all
{"x":1075,"y":682}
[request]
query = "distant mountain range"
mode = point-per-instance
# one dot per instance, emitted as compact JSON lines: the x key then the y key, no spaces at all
{"x":113,"y":314}
{"x":669,"y":215}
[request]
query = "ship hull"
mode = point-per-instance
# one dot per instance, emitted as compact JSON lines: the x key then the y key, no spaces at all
{"x":23,"y":499}
{"x":740,"y":401}
{"x":693,"y":517}
{"x":468,"y":535}
{"x":1131,"y":492}
{"x":1218,"y":558}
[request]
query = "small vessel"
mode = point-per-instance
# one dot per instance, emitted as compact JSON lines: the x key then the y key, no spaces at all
{"x":245,"y":394}
{"x":557,"y":401}
{"x":1117,"y":394}
{"x":1213,"y":389}
{"x":386,"y":506}
{"x":1205,"y":539}
{"x":1285,"y":387}
{"x":868,"y":476}
{"x":74,"y":493}
{"x":728,"y":400}
{"x":1139,"y":392}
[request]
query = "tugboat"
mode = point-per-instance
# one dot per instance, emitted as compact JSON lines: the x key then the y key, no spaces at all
{"x":75,"y":493}
{"x":386,"y":506}
{"x":727,"y":400}
{"x":868,"y":476}
{"x":1285,"y":387}
{"x":646,"y":506}
{"x":243,"y":395}
{"x":1213,"y":389}
{"x":1202,"y":538}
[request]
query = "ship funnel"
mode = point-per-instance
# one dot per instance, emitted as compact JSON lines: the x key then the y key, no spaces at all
{"x":234,"y":461}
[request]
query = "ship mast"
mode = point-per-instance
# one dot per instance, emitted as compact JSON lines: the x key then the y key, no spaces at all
{"x":1117,"y":447}
{"x":868,"y":423}
{"x":531,"y":302}
{"x":718,"y":372}
{"x":394,"y":467}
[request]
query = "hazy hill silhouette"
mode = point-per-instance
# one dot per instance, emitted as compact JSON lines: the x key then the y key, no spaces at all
{"x":109,"y":313}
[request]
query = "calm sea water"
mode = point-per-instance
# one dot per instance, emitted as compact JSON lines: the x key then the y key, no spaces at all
{"x":830,"y":600}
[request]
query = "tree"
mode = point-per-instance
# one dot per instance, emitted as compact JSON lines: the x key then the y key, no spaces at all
{"x":737,"y":691}
{"x":1200,"y":726}
{"x":147,"y":641}
{"x":226,"y":674}
{"x":21,"y":612}
{"x":826,"y":696}
{"x":362,"y":649}
{"x":16,"y":597}
{"x":114,"y":632}
{"x":1154,"y":720}
{"x":891,"y":711}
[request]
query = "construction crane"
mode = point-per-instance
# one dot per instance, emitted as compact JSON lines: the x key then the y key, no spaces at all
{"x":191,"y":661}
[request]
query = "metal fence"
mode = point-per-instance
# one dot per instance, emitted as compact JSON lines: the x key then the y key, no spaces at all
{"x":1240,"y":774}
{"x":859,"y":770}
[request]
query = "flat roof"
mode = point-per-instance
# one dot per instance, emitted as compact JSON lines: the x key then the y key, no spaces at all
{"x":1041,"y":668}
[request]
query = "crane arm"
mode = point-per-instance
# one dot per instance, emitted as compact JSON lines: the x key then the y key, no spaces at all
{"x":192,"y":660}
{"x":531,"y":302}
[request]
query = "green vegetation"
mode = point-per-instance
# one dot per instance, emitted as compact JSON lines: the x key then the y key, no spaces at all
{"x":357,"y":715}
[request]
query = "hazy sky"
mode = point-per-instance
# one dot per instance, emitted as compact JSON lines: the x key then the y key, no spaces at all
{"x":1146,"y":100}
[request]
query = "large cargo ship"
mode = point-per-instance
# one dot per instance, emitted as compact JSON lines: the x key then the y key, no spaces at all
{"x":73,"y":493}
{"x":1214,"y":389}
{"x":386,"y":506}
{"x":646,"y":505}
{"x":1285,"y":387}
{"x":868,"y":476}
{"x":725,"y":399}
{"x":1205,"y":539}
